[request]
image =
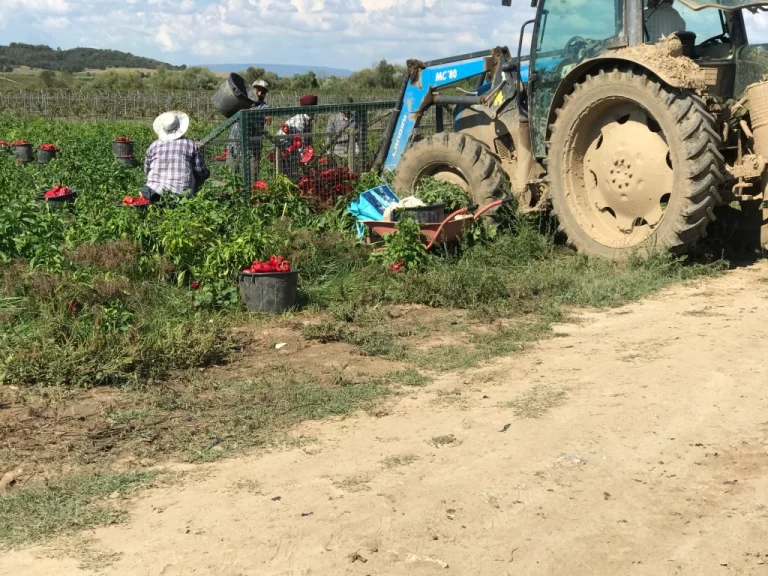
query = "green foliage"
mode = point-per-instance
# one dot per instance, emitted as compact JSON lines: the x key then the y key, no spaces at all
{"x":404,"y":248}
{"x":433,"y":191}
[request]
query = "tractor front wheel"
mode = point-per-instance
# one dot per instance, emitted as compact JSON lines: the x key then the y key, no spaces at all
{"x":633,"y":165}
{"x":455,"y":158}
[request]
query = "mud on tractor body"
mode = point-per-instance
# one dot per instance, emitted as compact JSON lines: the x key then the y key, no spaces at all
{"x":631,"y":140}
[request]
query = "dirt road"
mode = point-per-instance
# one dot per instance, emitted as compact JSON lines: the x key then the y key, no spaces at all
{"x":637,"y":444}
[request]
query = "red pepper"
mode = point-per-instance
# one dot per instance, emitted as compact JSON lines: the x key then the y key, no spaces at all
{"x":397,"y":266}
{"x":307,"y":155}
{"x":275,"y":264}
{"x":57,"y":191}
{"x":261,"y":185}
{"x":195,"y":285}
{"x":323,"y":161}
{"x":140,"y":201}
{"x":4,"y":144}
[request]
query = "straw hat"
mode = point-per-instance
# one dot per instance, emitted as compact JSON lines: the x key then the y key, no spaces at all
{"x":171,"y":126}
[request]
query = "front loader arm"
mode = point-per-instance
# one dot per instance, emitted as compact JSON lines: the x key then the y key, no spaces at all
{"x":423,"y":81}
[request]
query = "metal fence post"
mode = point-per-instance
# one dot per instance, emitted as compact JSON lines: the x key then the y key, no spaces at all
{"x":351,"y":150}
{"x":363,"y":139}
{"x":245,"y":151}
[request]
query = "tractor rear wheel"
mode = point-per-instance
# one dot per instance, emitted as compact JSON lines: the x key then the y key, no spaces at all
{"x":455,"y":158}
{"x":633,"y":165}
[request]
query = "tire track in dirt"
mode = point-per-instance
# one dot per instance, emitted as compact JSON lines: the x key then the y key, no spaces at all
{"x":647,"y":454}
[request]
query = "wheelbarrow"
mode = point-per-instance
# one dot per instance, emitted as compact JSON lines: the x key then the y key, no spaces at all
{"x":445,"y":232}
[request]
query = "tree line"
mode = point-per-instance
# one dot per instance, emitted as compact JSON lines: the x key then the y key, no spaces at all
{"x":73,"y":60}
{"x":381,"y":76}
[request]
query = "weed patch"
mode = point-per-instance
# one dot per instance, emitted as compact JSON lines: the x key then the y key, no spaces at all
{"x":39,"y":512}
{"x":537,"y":401}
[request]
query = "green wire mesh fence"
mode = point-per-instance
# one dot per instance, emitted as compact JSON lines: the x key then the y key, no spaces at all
{"x":322,"y":149}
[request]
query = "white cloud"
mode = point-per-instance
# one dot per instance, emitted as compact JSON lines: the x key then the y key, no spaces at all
{"x":339,"y":33}
{"x":56,"y":23}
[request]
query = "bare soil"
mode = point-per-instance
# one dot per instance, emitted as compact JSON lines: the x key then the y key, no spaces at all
{"x":636,"y":443}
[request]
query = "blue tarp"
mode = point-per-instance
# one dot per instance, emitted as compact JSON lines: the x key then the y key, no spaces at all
{"x":371,"y":206}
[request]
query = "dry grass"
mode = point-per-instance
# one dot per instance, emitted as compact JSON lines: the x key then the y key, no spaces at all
{"x":537,"y":401}
{"x":398,"y":461}
{"x":444,"y":440}
{"x":353,"y":483}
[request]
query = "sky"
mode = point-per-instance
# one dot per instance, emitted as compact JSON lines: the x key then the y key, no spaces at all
{"x":349,"y":34}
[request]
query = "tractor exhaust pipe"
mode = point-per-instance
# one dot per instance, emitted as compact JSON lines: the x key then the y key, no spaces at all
{"x":757,"y":97}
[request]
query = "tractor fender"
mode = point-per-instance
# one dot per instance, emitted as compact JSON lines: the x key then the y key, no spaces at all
{"x":675,"y":71}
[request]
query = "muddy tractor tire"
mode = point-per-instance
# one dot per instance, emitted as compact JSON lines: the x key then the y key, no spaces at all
{"x":456,"y":158}
{"x":633,"y":166}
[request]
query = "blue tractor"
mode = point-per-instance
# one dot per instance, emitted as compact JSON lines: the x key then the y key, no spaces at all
{"x":632,"y":120}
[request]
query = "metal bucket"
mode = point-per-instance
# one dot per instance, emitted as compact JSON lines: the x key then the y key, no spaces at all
{"x":45,"y":156}
{"x":270,"y":292}
{"x":23,"y":153}
{"x":234,"y":95}
{"x":122,"y":148}
{"x":422,"y":214}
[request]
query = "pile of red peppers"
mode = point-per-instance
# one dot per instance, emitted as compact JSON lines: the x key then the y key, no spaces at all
{"x":131,"y":201}
{"x":49,"y":147}
{"x":19,"y":143}
{"x":57,"y":192}
{"x":275,"y":264}
{"x":123,"y":139}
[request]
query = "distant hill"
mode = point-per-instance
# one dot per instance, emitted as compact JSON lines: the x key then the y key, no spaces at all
{"x":282,"y":70}
{"x":74,"y":60}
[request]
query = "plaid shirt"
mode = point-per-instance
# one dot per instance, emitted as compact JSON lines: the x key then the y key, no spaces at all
{"x":175,"y":166}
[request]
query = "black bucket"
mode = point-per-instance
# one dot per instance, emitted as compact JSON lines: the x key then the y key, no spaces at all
{"x":58,"y":200}
{"x":23,"y":153}
{"x":45,"y":156}
{"x":122,"y":148}
{"x":233,"y":95}
{"x":423,"y":214}
{"x":270,"y":292}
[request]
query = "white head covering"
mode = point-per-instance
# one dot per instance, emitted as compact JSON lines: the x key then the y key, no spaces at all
{"x":171,"y":125}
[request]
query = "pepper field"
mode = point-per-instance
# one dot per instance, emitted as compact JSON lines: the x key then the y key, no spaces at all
{"x":97,"y":293}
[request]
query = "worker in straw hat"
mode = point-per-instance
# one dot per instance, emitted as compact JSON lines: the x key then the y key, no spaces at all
{"x":173,"y":163}
{"x":256,"y":129}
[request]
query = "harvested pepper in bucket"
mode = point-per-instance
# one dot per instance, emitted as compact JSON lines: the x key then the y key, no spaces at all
{"x":274,"y":264}
{"x":131,"y":201}
{"x":57,"y":191}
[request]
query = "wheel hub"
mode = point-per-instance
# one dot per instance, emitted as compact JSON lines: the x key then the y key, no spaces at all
{"x":627,"y":174}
